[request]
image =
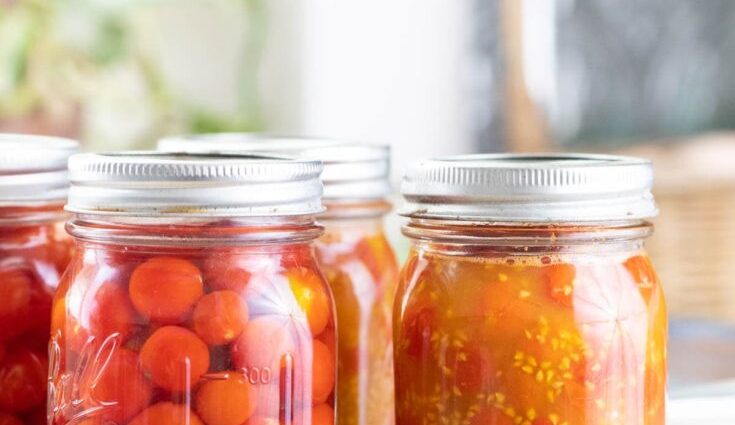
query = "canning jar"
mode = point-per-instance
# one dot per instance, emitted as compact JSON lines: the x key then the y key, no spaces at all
{"x":194,"y":296}
{"x":528,"y":297}
{"x":353,"y":253}
{"x":34,"y":251}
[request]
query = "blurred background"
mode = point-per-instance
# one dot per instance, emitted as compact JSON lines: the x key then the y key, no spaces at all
{"x":429,"y":77}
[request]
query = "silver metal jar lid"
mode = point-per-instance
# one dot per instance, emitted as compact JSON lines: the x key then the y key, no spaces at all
{"x":33,"y":168}
{"x":193,"y":185}
{"x":351,"y":170}
{"x":530,"y":188}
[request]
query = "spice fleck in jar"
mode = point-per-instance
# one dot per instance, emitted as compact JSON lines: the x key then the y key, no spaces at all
{"x":353,"y":253}
{"x":528,"y":297}
{"x":34,"y":251}
{"x":194,"y":296}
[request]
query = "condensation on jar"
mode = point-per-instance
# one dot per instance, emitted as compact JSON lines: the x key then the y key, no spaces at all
{"x":354,"y":255}
{"x":528,"y":297}
{"x":194,"y":296}
{"x":34,"y":251}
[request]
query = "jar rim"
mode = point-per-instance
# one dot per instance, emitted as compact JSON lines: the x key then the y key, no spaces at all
{"x":33,"y":169}
{"x":152,"y":184}
{"x":351,"y":170}
{"x":542,"y":187}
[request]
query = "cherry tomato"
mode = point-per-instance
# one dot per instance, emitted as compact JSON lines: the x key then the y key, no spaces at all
{"x":6,"y":419}
{"x":328,"y":337}
{"x":167,"y":413}
{"x":323,"y":372}
{"x":165,"y":289}
{"x":322,"y":414}
{"x":560,"y":282}
{"x":22,"y":380}
{"x":264,"y":343}
{"x":219,"y":317}
{"x":229,"y":400}
{"x":175,"y":357}
{"x":311,"y":296}
{"x":110,"y":312}
{"x":16,"y":290}
{"x":223,"y":271}
{"x":120,"y":387}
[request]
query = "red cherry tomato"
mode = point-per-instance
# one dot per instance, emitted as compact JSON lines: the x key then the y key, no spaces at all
{"x":16,"y":290}
{"x":167,"y":413}
{"x":219,"y":317}
{"x":165,"y":289}
{"x":22,"y":380}
{"x":229,"y":400}
{"x":110,"y":312}
{"x":121,"y":387}
{"x":226,"y":271}
{"x":175,"y":357}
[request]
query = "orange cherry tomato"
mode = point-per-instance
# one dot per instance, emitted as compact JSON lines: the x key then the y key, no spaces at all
{"x":6,"y":419}
{"x":311,"y":296}
{"x":219,"y":317}
{"x":223,"y":271}
{"x":175,"y":357}
{"x":323,"y":369}
{"x":322,"y":414}
{"x":16,"y":290}
{"x":560,"y":282}
{"x":121,"y":387}
{"x":22,"y":380}
{"x":167,"y":413}
{"x":111,"y":312}
{"x":264,"y":343}
{"x":229,"y":400}
{"x":165,"y":289}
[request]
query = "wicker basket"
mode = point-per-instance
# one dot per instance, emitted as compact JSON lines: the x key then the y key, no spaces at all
{"x":693,"y":247}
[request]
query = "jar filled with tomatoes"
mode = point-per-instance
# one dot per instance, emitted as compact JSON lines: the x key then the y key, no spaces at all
{"x":194,"y":296}
{"x":528,"y":297}
{"x":353,"y":253}
{"x":34,"y":251}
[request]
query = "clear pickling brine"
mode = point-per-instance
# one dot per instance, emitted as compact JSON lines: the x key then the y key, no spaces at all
{"x":196,"y":307}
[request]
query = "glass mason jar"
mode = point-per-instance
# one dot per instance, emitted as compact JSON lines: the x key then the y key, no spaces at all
{"x":194,"y":296}
{"x":528,"y":297}
{"x":353,"y":253}
{"x":34,"y":251}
